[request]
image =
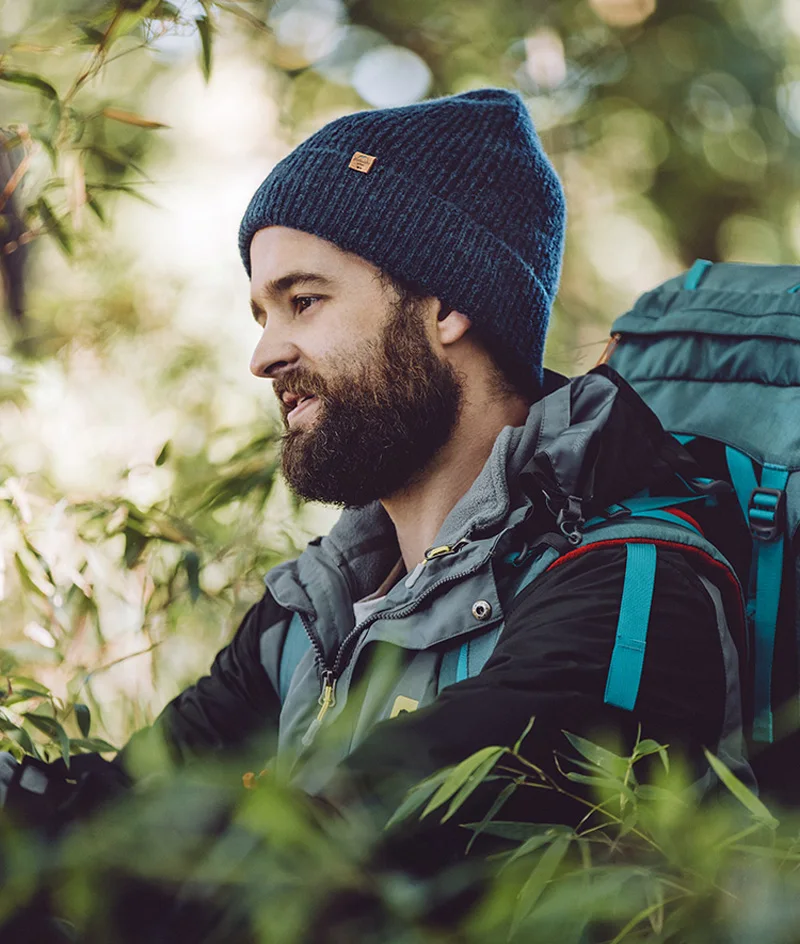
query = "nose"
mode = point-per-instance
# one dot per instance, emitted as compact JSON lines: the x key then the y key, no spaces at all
{"x":273,"y":353}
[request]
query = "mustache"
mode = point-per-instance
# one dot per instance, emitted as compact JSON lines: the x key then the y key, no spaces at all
{"x":303,"y":383}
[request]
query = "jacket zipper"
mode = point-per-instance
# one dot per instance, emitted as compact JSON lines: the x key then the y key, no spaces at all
{"x":330,"y":676}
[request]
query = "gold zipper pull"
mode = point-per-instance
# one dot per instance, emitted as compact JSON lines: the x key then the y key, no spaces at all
{"x":327,"y":698}
{"x":442,"y":549}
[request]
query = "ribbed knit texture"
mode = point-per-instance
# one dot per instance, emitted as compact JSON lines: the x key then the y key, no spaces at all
{"x":461,"y":202}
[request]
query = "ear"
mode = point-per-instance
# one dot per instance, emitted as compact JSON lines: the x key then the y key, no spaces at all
{"x":451,"y":326}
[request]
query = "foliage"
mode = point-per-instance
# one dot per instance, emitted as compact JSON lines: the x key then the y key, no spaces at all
{"x":648,"y":862}
{"x":675,"y":128}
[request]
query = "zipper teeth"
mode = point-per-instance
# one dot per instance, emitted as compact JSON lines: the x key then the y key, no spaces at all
{"x":397,"y":614}
{"x":315,"y":641}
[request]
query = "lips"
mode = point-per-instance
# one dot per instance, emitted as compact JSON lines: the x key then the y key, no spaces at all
{"x":299,"y":401}
{"x":295,"y":405}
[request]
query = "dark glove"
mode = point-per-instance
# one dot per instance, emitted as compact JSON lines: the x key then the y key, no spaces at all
{"x":48,"y":797}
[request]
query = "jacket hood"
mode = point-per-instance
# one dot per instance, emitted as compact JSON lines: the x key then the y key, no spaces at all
{"x":588,"y":443}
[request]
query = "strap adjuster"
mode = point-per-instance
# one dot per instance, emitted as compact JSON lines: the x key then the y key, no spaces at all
{"x":766,"y":513}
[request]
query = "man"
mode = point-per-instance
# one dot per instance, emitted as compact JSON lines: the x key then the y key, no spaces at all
{"x":403,"y":264}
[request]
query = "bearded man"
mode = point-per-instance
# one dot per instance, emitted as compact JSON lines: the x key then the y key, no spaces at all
{"x":403,"y":264}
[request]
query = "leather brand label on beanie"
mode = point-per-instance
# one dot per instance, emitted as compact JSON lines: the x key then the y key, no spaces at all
{"x":362,"y":162}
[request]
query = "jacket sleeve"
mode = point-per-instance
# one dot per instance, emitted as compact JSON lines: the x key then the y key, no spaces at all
{"x":232,"y":705}
{"x":551,"y":662}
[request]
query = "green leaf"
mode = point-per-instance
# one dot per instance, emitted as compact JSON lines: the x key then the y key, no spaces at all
{"x":135,"y":544}
{"x":647,"y":747}
{"x":54,"y":225}
{"x":91,"y":35}
{"x":745,"y":796}
{"x":95,"y":207}
{"x":531,"y":844}
{"x":84,"y":717}
{"x":162,"y":457}
{"x":27,"y":581}
{"x":460,"y":774}
{"x":20,"y":736}
{"x":191,"y":562}
{"x":204,"y":28}
{"x":494,"y":809}
{"x":602,"y":758}
{"x":20,"y":694}
{"x":416,"y":797}
{"x":53,"y":730}
{"x":94,"y":745}
{"x":522,"y":736}
{"x":166,"y":11}
{"x":472,"y":783}
{"x":29,"y":684}
{"x":30,"y":80}
{"x":541,"y":876}
{"x":129,"y":118}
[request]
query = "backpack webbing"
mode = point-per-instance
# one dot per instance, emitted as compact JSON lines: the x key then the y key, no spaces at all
{"x":761,"y":505}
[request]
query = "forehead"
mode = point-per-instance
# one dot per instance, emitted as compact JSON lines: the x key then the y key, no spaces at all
{"x":278,"y":250}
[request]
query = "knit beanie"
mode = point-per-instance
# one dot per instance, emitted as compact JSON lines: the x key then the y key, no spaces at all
{"x":453,"y":196}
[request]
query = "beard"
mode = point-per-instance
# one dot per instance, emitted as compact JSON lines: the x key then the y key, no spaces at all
{"x":382,"y":418}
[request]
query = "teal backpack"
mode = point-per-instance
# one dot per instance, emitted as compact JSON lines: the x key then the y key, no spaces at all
{"x":715,"y":353}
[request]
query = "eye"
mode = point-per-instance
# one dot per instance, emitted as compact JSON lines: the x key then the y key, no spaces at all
{"x":303,"y":302}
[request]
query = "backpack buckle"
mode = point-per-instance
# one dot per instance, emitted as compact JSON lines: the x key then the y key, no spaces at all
{"x":766,"y":513}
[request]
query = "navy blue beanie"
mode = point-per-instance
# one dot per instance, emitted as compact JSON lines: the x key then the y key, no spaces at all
{"x":453,"y":195}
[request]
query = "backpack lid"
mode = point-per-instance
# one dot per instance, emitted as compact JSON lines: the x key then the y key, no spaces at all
{"x":730,"y":298}
{"x":721,"y":359}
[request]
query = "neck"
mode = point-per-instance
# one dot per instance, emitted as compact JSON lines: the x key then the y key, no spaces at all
{"x":419,"y":511}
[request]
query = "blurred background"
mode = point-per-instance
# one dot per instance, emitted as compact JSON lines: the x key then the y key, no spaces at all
{"x":139,"y":505}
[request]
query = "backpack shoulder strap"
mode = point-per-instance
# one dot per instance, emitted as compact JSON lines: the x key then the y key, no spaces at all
{"x":627,"y":656}
{"x":630,"y":642}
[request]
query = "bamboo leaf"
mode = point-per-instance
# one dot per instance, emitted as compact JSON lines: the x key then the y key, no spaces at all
{"x":191,"y":562}
{"x":605,"y":759}
{"x":95,"y":745}
{"x":531,"y":844}
{"x":30,"y":80}
{"x":91,"y":35}
{"x":539,"y":879}
{"x":129,"y":118}
{"x":29,"y":684}
{"x":494,"y":809}
{"x":522,"y":736}
{"x":162,"y":457}
{"x":471,"y":784}
{"x":25,"y":578}
{"x":84,"y":717}
{"x":416,"y":797}
{"x":647,"y":747}
{"x":53,"y":730}
{"x":54,"y":225}
{"x":135,"y":544}
{"x":745,"y":796}
{"x":205,"y":30}
{"x":459,"y":775}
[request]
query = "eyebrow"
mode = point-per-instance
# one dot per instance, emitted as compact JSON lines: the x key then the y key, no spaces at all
{"x":282,"y":285}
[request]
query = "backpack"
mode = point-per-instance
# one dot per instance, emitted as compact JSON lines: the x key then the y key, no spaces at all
{"x":715,"y":353}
